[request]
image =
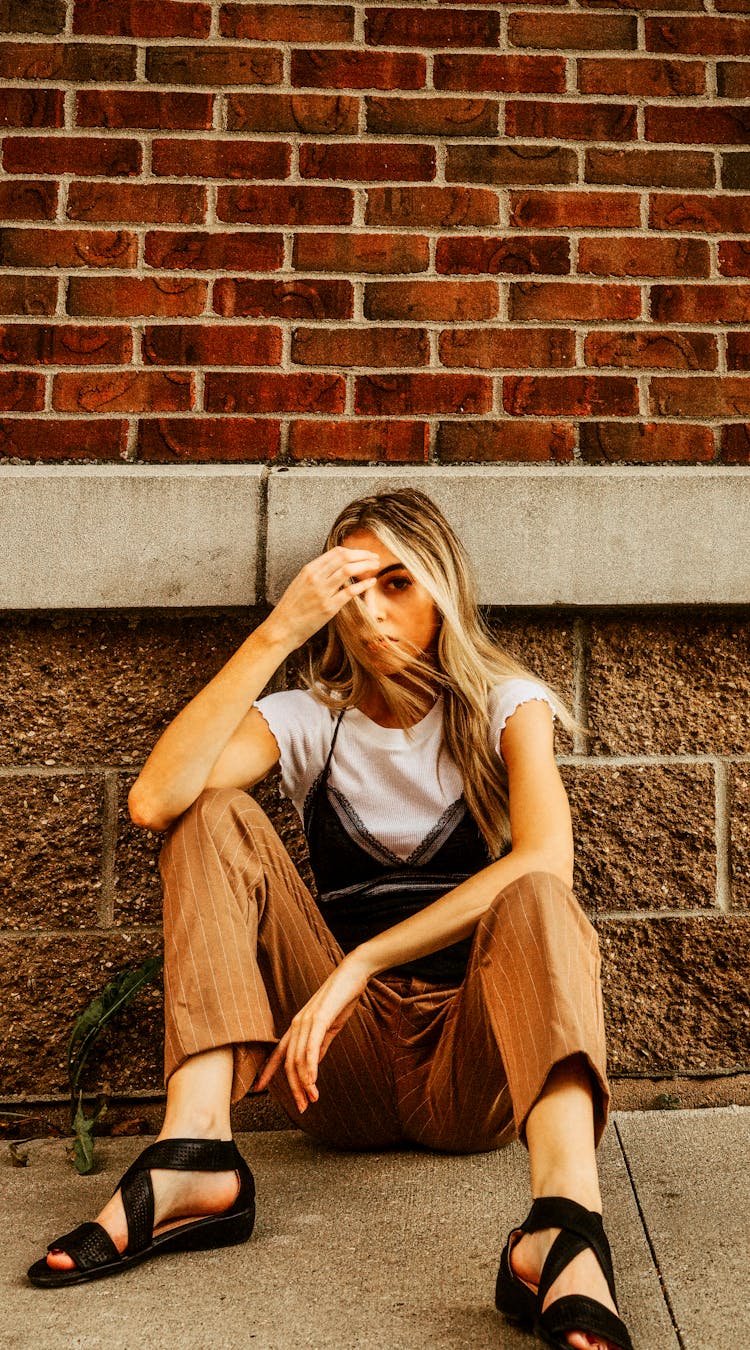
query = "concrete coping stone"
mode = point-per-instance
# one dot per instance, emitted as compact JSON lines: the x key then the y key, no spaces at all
{"x":110,"y":536}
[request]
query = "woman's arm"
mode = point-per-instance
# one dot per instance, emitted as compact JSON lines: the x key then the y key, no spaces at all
{"x":542,"y":841}
{"x":219,"y":739}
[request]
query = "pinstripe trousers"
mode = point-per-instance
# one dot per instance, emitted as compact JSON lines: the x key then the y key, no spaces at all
{"x":451,"y":1069}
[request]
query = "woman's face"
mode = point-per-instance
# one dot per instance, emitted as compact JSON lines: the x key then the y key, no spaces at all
{"x":404,"y":612}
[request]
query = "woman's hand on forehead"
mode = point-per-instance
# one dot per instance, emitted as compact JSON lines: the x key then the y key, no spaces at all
{"x":320,"y":590}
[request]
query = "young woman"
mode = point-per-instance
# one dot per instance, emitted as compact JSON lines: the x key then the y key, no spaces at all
{"x":444,"y":987}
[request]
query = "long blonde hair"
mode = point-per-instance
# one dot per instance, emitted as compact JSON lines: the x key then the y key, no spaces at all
{"x":468,"y":663}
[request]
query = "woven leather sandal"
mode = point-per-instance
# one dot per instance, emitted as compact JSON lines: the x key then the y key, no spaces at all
{"x":580,"y":1228}
{"x":93,"y":1250}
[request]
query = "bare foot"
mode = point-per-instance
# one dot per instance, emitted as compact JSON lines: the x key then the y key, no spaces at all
{"x":583,"y":1275}
{"x":178,"y":1197}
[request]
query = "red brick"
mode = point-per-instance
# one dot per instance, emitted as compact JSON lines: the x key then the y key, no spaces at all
{"x":507,"y":348}
{"x":75,"y":61}
{"x":71,"y":154}
{"x":68,"y":248}
{"x":439,"y":206}
{"x":733,"y":79}
{"x":510,"y":164}
{"x":133,"y":295}
{"x":650,"y":168}
{"x":572,"y":300}
{"x":735,"y":170}
{"x":385,"y":27}
{"x":26,"y":200}
{"x":571,"y":210}
{"x":706,"y":36}
{"x":284,"y":299}
{"x":734,"y":259}
{"x":394,"y":394}
{"x":314,"y":114}
{"x":571,"y":395}
{"x":645,"y":443}
{"x":28,"y":295}
{"x":738,"y":351}
{"x":20,"y":391}
{"x":452,"y":301}
{"x":33,"y":16}
{"x":35,"y":438}
{"x":220,"y":251}
{"x":369,"y":163}
{"x":123,"y":391}
{"x":357,"y":70}
{"x":462,"y":255}
{"x":212,"y":345}
{"x":137,"y":203}
{"x":644,"y":257}
{"x":164,"y":440}
{"x":141,"y":18}
{"x":381,"y":442}
{"x":351,"y":347}
{"x":297,"y":205}
{"x":32,"y":107}
{"x":577,"y":32}
{"x":651,"y":349}
{"x":212,"y":65}
{"x":432,"y":116}
{"x":701,"y":304}
{"x":270,"y":393}
{"x":641,"y":75}
{"x":699,"y":125}
{"x":679,"y":5}
{"x":144,"y":108}
{"x":512,"y":442}
{"x":221,"y":159}
{"x":735,"y":443}
{"x":64,"y":345}
{"x":733,"y":6}
{"x":361,"y":252}
{"x":500,"y":72}
{"x":708,"y":215}
{"x":572,"y":121}
{"x":308,"y":24}
{"x":701,"y":396}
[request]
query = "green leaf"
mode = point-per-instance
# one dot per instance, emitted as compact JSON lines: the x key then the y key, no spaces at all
{"x":115,"y":995}
{"x":83,"y":1126}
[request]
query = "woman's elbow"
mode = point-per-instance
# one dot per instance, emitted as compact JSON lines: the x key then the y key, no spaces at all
{"x":144,"y":812}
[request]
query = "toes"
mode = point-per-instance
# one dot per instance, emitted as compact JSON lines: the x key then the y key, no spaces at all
{"x":57,"y":1259}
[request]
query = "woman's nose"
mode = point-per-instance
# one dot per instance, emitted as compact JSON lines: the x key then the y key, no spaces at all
{"x":373,"y":600}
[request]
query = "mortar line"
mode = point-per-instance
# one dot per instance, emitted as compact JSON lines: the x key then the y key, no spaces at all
{"x":723,"y":865}
{"x":106,"y":908}
{"x":647,"y":1235}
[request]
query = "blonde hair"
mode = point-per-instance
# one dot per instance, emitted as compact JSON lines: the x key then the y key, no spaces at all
{"x":468,"y":663}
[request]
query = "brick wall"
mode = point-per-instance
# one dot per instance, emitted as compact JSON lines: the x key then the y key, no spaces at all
{"x":329,"y":231}
{"x":660,"y":799}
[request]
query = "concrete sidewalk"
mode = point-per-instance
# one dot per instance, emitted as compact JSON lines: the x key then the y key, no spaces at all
{"x":394,"y":1251}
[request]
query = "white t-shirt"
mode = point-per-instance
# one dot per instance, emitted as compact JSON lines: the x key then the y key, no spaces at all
{"x":396,"y":784}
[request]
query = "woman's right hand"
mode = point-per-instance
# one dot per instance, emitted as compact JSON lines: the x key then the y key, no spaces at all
{"x":319,"y":591}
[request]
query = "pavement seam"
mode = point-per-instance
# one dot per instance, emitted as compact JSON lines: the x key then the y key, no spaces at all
{"x":647,"y":1235}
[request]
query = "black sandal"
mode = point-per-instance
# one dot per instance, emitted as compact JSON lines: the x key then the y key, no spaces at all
{"x":581,"y":1228}
{"x":93,"y":1250}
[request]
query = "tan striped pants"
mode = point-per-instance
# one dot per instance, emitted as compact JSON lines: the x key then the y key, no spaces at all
{"x":454,"y":1069}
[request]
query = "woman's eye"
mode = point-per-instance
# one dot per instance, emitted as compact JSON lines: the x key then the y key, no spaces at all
{"x":400,"y":583}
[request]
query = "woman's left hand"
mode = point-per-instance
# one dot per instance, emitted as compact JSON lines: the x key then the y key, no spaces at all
{"x":312,"y":1029}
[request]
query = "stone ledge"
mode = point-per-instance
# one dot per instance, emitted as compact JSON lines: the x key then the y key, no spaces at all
{"x":88,"y":537}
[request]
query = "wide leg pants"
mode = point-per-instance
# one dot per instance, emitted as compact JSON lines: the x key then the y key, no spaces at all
{"x":453,"y":1069}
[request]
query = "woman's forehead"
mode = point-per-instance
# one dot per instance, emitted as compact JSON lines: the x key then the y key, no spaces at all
{"x":365,"y":539}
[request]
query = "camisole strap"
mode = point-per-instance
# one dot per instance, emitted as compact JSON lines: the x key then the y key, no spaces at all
{"x":327,"y":765}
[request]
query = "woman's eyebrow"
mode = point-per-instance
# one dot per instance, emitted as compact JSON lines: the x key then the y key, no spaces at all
{"x":392,"y":567}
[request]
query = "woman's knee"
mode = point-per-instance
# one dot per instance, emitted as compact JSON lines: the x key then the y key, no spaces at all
{"x":543,"y":899}
{"x":210,"y":815}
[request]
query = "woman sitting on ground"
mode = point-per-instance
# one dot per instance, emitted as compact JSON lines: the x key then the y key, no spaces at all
{"x":444,"y":988}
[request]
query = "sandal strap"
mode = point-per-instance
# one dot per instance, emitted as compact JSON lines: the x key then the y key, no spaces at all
{"x":177,"y":1155}
{"x":89,"y":1245}
{"x":576,"y":1223}
{"x":578,"y":1313}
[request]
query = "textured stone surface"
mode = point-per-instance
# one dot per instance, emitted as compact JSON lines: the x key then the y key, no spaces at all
{"x":739,"y":824}
{"x":644,"y":836}
{"x":546,"y":648}
{"x":45,"y":984}
{"x":101,"y":688}
{"x":50,"y":851}
{"x":676,"y":993}
{"x":669,"y":684}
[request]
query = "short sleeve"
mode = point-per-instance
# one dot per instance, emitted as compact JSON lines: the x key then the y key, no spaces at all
{"x":302,"y":728}
{"x":506,"y":697}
